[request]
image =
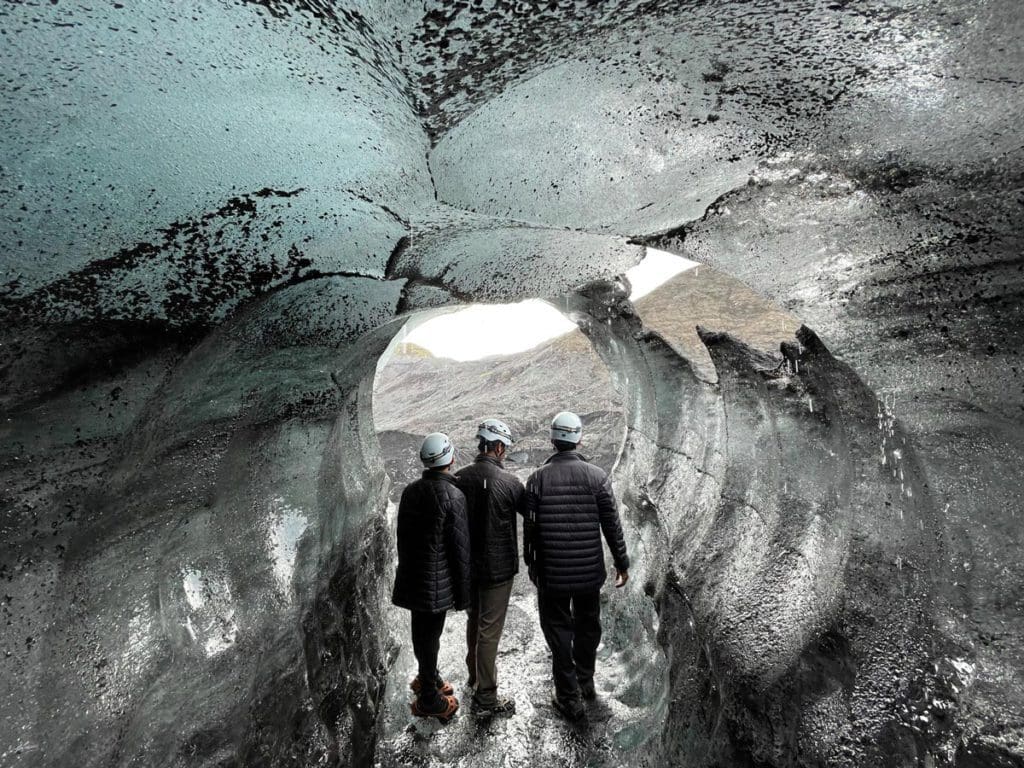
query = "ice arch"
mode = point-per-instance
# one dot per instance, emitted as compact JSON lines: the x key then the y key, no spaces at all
{"x":204,"y":204}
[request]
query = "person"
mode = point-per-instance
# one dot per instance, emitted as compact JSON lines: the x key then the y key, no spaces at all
{"x":493,"y":498}
{"x":433,"y":569}
{"x":569,"y":504}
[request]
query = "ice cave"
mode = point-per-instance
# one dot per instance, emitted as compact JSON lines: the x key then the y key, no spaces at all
{"x":216,"y":216}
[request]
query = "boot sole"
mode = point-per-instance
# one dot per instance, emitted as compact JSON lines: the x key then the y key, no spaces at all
{"x":487,"y":714}
{"x":444,"y":717}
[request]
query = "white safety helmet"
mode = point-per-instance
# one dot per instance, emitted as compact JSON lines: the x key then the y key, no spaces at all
{"x":566,"y":427}
{"x":493,"y":429}
{"x":437,"y":450}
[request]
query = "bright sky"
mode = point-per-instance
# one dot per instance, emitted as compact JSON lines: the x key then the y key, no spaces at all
{"x":505,"y":329}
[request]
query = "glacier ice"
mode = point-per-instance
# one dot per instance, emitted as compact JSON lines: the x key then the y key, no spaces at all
{"x":215,"y":217}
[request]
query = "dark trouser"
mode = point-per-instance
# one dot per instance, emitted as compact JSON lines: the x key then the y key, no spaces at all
{"x":572,"y":627}
{"x":484,"y":623}
{"x":426,"y":642}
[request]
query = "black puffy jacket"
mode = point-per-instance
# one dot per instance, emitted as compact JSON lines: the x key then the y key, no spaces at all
{"x":433,"y":545}
{"x":493,"y":497}
{"x":569,"y":503}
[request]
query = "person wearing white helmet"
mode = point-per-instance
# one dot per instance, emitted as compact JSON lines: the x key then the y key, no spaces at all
{"x":569,"y":505}
{"x":493,"y":498}
{"x":433,"y":573}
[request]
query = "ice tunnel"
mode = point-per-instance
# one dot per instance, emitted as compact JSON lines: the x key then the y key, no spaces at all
{"x":215,"y":216}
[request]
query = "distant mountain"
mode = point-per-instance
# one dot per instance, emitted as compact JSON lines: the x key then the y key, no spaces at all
{"x":706,"y":297}
{"x":412,"y":349}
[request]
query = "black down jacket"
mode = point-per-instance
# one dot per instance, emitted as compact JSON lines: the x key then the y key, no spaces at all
{"x":433,"y":545}
{"x":569,"y":503}
{"x":493,"y":497}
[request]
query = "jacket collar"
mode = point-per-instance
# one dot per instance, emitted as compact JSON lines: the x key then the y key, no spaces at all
{"x":435,"y":474}
{"x":565,"y":456}
{"x":482,"y":458}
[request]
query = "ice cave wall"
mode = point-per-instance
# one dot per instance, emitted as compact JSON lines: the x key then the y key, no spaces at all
{"x":210,"y":207}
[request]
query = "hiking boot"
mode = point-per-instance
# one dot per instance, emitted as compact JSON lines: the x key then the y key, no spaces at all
{"x":587,"y":690}
{"x":500,"y":708}
{"x":443,"y":686}
{"x":444,"y":710}
{"x":570,"y":706}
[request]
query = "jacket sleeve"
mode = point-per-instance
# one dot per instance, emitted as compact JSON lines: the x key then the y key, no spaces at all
{"x":457,"y":543}
{"x":608,"y":512}
{"x":519,"y":497}
{"x":528,"y":505}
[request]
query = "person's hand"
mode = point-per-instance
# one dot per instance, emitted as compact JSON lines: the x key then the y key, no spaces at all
{"x":621,"y":577}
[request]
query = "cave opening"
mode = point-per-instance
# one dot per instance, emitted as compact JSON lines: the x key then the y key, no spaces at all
{"x":421,"y":386}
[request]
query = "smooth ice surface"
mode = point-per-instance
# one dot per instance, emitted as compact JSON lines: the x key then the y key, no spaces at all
{"x":214,"y":218}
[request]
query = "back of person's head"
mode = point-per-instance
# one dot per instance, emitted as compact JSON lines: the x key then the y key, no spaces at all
{"x":489,"y":446}
{"x":561,"y":446}
{"x":494,"y":436}
{"x":437,"y":451}
{"x":566,"y":427}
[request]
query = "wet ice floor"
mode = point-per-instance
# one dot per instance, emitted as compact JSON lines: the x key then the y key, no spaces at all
{"x":536,"y":735}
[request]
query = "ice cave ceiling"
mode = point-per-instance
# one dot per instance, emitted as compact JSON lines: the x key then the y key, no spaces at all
{"x":215,"y":215}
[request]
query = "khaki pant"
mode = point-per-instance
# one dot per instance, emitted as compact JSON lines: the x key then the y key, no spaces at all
{"x":484,"y":622}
